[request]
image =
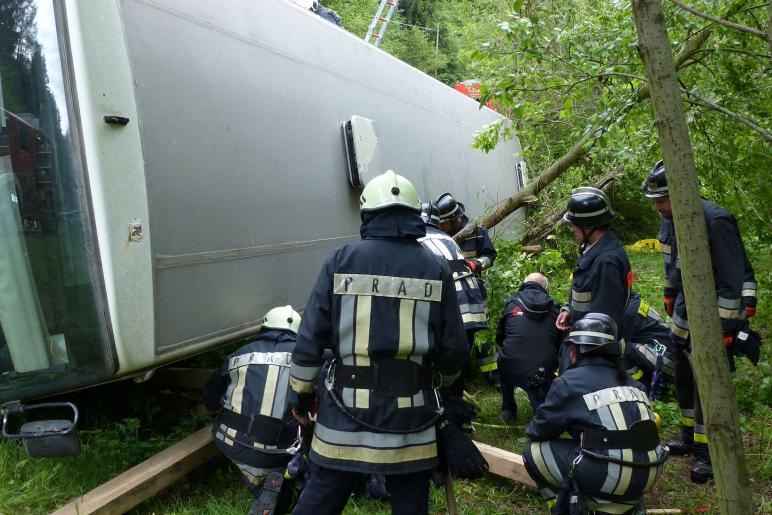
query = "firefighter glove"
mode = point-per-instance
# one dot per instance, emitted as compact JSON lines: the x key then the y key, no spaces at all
{"x":458,"y":453}
{"x":750,"y":311}
{"x":669,"y":303}
{"x":475,"y":265}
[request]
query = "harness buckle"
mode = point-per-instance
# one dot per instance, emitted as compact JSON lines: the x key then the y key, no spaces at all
{"x":297,"y":444}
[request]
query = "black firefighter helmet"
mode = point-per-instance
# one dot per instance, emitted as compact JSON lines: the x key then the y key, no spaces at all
{"x":448,"y":208}
{"x":596,"y":333}
{"x":655,"y":185}
{"x":588,"y":207}
{"x":430,"y":214}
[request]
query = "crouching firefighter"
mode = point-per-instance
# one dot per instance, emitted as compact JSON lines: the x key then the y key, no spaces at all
{"x":387,"y":309}
{"x":614,"y":454}
{"x":253,"y":426}
{"x":650,"y":353}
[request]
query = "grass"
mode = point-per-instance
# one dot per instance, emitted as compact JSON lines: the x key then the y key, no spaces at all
{"x":112,"y":443}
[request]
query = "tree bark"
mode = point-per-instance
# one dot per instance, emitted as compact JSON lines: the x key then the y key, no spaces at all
{"x":708,"y":355}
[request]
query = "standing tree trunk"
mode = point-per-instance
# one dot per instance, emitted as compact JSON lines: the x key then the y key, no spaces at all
{"x":708,"y":355}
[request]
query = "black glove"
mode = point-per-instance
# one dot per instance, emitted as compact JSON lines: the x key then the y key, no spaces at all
{"x":458,"y":412}
{"x":303,"y":407}
{"x":457,"y":452}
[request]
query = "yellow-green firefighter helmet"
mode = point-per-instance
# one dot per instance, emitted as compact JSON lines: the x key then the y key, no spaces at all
{"x":389,"y":190}
{"x":282,"y":317}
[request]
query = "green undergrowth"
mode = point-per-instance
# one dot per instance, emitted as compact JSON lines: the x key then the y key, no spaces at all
{"x":113,"y":443}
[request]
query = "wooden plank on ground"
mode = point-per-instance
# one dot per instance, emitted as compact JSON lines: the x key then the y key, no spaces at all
{"x":506,"y":464}
{"x":143,"y":481}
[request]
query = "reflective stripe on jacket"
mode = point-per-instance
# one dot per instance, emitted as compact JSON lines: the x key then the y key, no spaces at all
{"x":471,"y":302}
{"x":380,"y":298}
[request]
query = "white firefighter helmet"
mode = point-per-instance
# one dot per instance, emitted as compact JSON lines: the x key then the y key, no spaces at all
{"x":389,"y":190}
{"x":282,"y":317}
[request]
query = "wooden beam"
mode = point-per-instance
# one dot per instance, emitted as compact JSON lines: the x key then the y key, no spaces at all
{"x":143,"y":481}
{"x":505,"y":464}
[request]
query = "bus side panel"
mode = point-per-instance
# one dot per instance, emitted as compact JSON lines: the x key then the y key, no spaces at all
{"x":240,"y":106}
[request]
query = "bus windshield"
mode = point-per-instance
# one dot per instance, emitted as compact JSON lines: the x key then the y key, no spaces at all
{"x":51,"y":336}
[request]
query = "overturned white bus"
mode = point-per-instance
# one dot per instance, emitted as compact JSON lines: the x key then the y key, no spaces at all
{"x":169,"y":170}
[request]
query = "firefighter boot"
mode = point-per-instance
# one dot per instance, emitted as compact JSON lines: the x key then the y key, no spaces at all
{"x":702,"y":472}
{"x":685,"y":445}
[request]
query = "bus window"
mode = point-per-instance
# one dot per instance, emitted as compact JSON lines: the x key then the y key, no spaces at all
{"x":51,"y":336}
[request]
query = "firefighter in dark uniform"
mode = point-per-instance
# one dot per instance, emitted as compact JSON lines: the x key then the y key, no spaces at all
{"x":650,"y":354}
{"x":614,"y":454}
{"x":736,"y":292}
{"x":253,"y":425}
{"x":479,"y":253}
{"x":387,"y":308}
{"x":470,"y":302}
{"x":469,"y":289}
{"x":529,"y":344}
{"x":602,"y":279}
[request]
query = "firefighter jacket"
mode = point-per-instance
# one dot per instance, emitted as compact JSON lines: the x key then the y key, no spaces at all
{"x":471,"y":302}
{"x":643,"y":324}
{"x":647,"y":337}
{"x":478,"y":246}
{"x":251,"y":389}
{"x":384,"y":305}
{"x":669,"y":250}
{"x":585,"y":399}
{"x":527,"y":334}
{"x":601,"y":281}
{"x":732,"y":271}
{"x":749,"y":285}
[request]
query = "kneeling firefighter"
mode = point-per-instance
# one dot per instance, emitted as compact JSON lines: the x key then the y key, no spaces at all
{"x":650,"y":353}
{"x":614,"y":454}
{"x":387,"y":309}
{"x":253,"y":425}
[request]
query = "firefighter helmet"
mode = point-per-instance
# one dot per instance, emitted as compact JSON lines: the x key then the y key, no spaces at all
{"x":448,"y":208}
{"x":389,"y":190}
{"x":282,"y":317}
{"x":655,"y":185}
{"x":429,"y":214}
{"x":596,"y":333}
{"x":588,"y":207}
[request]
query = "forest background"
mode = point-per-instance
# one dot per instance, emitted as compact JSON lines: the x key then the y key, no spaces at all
{"x":560,"y":71}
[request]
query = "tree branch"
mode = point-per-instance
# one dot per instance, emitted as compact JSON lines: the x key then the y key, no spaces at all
{"x":579,"y":150}
{"x":543,"y":229}
{"x":695,"y":99}
{"x":721,"y":21}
